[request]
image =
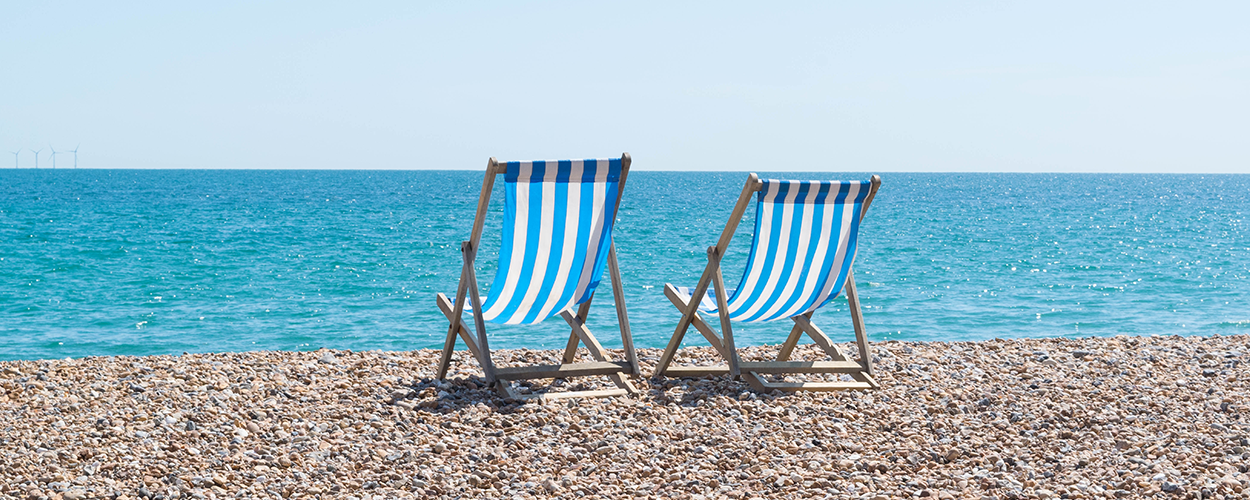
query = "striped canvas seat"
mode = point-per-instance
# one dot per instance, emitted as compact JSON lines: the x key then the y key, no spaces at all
{"x":557,"y":229}
{"x":556,"y":242}
{"x":804,"y":245}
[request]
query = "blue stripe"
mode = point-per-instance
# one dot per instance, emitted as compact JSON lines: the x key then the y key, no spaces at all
{"x":512,"y":172}
{"x":614,"y":171}
{"x":564,"y":168}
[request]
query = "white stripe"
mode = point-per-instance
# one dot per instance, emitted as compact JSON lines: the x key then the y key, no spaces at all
{"x":547,"y":190}
{"x":783,"y":244}
{"x":570,"y":241}
{"x":761,"y":245}
{"x":519,"y":231}
{"x":708,"y":301}
{"x":706,"y":304}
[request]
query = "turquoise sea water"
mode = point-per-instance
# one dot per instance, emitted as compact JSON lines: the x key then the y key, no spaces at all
{"x":104,"y":262}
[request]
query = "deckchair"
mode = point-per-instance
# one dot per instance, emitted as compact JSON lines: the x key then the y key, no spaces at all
{"x":801,"y":256}
{"x":557,"y":237}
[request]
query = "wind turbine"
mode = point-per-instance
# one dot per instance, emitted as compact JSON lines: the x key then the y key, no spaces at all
{"x":37,"y":157}
{"x":75,"y":151}
{"x":15,"y":157}
{"x":53,"y":155}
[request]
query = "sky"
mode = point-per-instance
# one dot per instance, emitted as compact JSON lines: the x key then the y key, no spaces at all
{"x":796,"y":86}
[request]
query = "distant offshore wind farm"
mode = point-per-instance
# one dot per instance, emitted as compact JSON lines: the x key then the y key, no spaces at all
{"x":17,"y":155}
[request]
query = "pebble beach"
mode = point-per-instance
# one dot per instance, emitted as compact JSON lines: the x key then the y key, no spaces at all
{"x":1117,"y":417}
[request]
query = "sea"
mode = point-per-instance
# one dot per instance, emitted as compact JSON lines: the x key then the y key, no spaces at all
{"x":145,"y":262}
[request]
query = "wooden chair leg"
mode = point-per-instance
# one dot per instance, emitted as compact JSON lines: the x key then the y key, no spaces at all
{"x":689,"y":312}
{"x":580,"y":335}
{"x":465,"y":334}
{"x":454,"y":317}
{"x":444,"y":361}
{"x":622,"y":317}
{"x":570,"y":349}
{"x":857,"y":320}
{"x":468,"y":252}
{"x":793,"y":340}
{"x":708,"y":333}
{"x":722,"y":304}
{"x":479,"y":320}
{"x":674,"y":342}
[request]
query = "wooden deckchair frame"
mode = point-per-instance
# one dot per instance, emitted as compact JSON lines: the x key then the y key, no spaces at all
{"x":480,"y":349}
{"x":860,"y":370}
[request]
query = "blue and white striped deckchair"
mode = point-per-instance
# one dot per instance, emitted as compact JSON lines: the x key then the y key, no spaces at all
{"x":801,"y":255}
{"x":557,"y":238}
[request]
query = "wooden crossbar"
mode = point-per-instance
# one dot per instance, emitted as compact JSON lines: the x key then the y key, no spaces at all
{"x":769,"y":367}
{"x":697,"y":371}
{"x":563,"y":370}
{"x":801,"y":366}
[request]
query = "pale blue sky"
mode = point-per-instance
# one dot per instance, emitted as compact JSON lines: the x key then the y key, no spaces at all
{"x":864,"y":86}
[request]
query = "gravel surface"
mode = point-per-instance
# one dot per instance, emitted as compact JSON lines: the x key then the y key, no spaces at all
{"x":1036,"y":418}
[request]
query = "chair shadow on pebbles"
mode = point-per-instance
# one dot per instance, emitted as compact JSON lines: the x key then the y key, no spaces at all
{"x":467,"y":388}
